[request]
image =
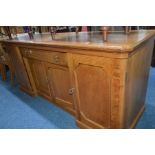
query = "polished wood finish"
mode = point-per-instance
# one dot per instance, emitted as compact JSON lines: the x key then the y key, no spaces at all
{"x":92,"y":75}
{"x":102,"y":83}
{"x":43,"y":55}
{"x":136,"y":83}
{"x":46,"y":70}
{"x":91,"y":41}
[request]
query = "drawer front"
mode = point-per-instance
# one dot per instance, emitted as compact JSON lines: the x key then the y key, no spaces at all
{"x":48,"y":56}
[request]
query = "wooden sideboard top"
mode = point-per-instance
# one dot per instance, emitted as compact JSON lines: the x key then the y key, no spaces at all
{"x":117,"y":41}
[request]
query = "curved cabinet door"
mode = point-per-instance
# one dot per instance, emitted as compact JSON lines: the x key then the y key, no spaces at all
{"x":92,"y":92}
{"x":59,"y":79}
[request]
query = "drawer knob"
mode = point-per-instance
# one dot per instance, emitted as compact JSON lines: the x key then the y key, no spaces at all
{"x":56,"y":59}
{"x":30,"y":51}
{"x":71,"y":91}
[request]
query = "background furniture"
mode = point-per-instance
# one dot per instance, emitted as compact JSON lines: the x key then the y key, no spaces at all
{"x":153,"y":57}
{"x":5,"y":61}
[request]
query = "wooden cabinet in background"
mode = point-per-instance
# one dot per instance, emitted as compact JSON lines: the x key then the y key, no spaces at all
{"x":19,"y":29}
{"x":20,"y":70}
{"x":153,"y":56}
{"x":44,"y":29}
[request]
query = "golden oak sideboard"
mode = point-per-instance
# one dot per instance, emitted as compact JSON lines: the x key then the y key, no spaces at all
{"x":103,"y":84}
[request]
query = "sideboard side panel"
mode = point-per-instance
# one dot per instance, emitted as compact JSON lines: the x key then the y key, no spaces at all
{"x":136,"y":83}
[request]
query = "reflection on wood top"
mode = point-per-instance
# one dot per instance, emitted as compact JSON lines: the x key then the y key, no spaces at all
{"x":117,"y":41}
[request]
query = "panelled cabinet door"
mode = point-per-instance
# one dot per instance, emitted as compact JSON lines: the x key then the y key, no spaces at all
{"x":92,"y":85}
{"x":19,"y":66}
{"x":40,"y":78}
{"x":59,"y":79}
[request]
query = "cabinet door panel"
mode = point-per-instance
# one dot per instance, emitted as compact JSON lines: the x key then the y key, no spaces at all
{"x":40,"y":77}
{"x":93,"y":88}
{"x":59,"y":80}
{"x":93,"y":93}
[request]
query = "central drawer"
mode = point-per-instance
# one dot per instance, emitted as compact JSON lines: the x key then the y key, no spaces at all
{"x":48,"y":56}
